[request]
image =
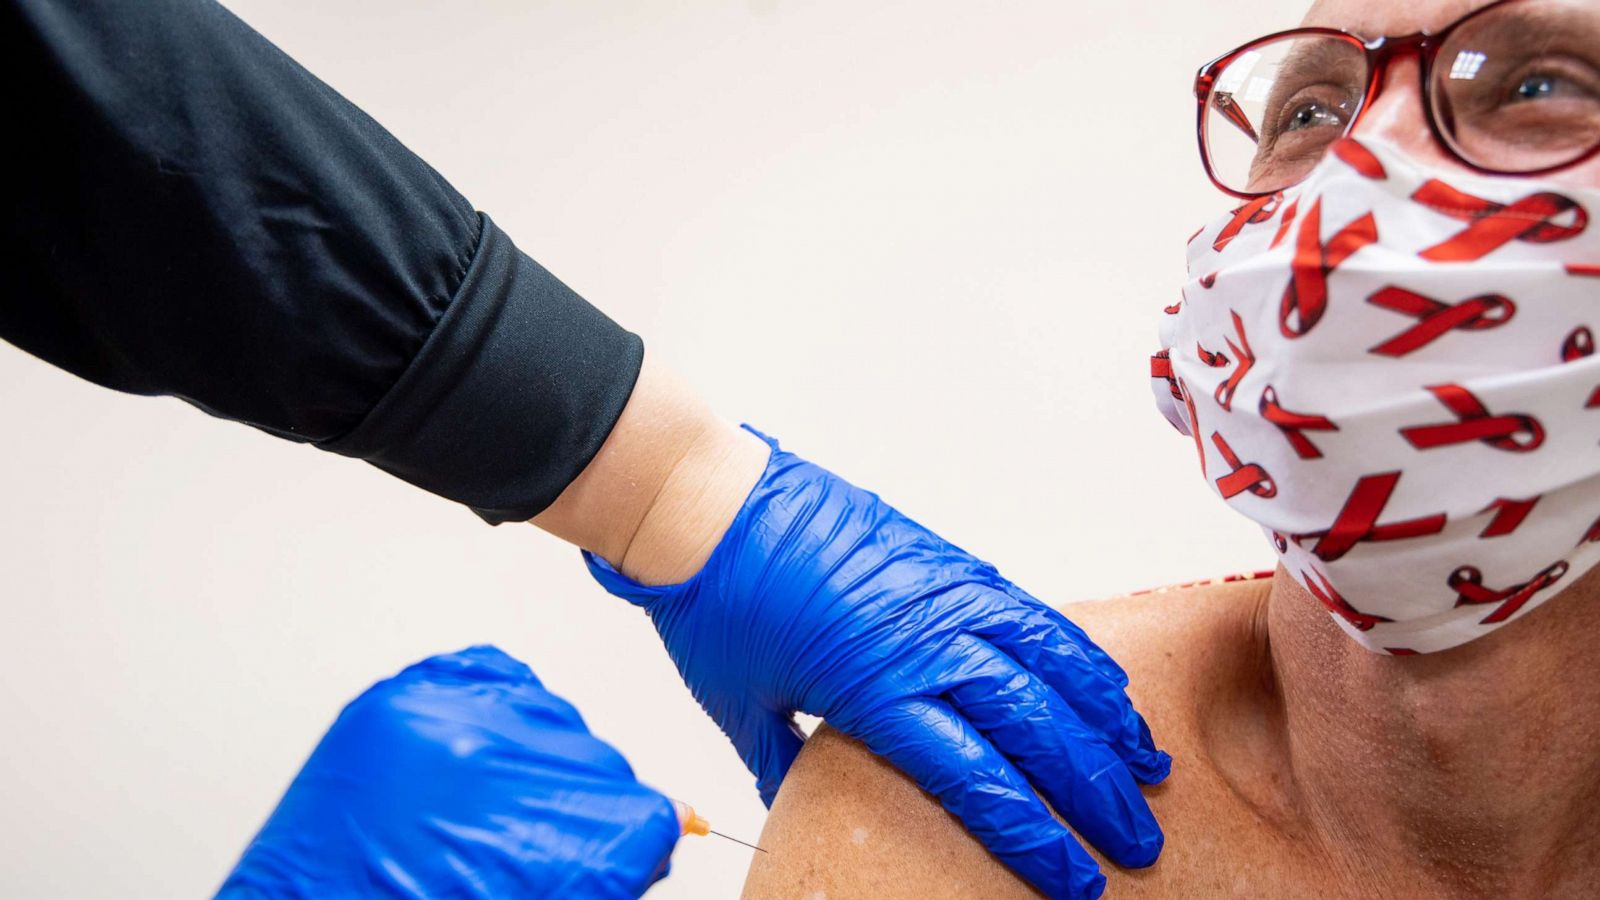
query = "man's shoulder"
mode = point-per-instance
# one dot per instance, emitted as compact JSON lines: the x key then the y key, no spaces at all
{"x":1158,"y":633}
{"x":848,"y":824}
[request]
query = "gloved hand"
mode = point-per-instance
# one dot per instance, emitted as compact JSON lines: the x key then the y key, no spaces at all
{"x":822,"y":598}
{"x":461,"y":777}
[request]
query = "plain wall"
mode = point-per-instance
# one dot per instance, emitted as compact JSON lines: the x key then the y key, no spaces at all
{"x":923,"y":243}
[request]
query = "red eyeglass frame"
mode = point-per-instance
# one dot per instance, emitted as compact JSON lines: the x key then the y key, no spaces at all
{"x":1379,"y":52}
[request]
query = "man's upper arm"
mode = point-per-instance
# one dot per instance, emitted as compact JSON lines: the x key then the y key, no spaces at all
{"x":847,"y":824}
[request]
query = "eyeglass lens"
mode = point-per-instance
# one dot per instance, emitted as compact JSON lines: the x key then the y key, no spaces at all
{"x":1514,"y":89}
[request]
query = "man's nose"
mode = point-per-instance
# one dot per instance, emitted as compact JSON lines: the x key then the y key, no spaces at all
{"x":1398,"y":116}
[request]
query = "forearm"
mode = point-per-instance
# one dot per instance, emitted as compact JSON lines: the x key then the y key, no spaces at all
{"x":667,"y":481}
{"x":203,"y":218}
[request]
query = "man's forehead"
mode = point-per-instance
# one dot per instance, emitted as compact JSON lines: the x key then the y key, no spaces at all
{"x":1375,"y":18}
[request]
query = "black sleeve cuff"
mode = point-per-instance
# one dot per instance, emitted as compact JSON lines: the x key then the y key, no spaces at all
{"x":510,"y":397}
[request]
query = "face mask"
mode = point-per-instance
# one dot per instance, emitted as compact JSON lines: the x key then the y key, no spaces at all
{"x":1392,"y":372}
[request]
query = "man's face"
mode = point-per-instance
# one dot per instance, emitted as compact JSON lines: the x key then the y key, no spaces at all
{"x":1397,"y":116}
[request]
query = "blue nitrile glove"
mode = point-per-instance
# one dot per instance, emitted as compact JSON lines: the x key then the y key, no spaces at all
{"x":460,"y":777}
{"x":822,"y":598}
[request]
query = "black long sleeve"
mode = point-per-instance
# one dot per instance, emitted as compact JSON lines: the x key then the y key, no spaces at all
{"x":190,"y":212}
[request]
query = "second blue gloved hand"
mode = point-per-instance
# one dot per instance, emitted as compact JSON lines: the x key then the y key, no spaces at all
{"x":823,"y":599}
{"x":460,"y":777}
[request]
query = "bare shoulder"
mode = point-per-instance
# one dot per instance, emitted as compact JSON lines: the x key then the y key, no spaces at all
{"x":1165,"y":638}
{"x":847,"y":824}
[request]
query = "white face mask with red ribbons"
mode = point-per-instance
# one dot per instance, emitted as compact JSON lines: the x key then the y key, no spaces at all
{"x":1391,"y":370}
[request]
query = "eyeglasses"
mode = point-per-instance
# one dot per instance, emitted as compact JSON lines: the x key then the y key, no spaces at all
{"x":1512,"y":88}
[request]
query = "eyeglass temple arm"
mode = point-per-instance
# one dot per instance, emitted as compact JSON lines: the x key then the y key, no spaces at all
{"x":1223,"y":101}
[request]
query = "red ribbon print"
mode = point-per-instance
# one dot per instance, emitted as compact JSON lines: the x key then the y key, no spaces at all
{"x":1247,"y":360}
{"x":1590,"y":536}
{"x":1258,"y":210}
{"x":1243,"y":476}
{"x":1214,"y":360}
{"x":1358,"y":520}
{"x":1161,"y":367}
{"x":1579,"y":343}
{"x":1306,"y":297}
{"x":1467,"y":582}
{"x":1436,"y":319}
{"x":1293,"y":423}
{"x":1283,"y":226}
{"x":1494,"y":225}
{"x":1508,"y":514}
{"x":1513,"y":432}
{"x":1321,"y":589}
{"x":1356,"y":155}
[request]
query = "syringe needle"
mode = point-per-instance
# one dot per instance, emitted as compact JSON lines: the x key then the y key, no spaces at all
{"x":692,"y":823}
{"x":735,"y":840}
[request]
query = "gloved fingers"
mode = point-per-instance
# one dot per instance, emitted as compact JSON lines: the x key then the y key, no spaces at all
{"x":1063,"y":758}
{"x":480,"y":663}
{"x":1101,"y":659}
{"x":773,"y":745}
{"x":479,"y":700}
{"x":1049,"y":645}
{"x":942,"y":752}
{"x":617,"y":841}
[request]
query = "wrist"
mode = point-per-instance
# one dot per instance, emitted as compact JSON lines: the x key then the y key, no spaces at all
{"x":696,"y":504}
{"x":659,"y":494}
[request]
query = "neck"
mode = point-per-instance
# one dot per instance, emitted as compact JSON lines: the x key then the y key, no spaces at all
{"x":1474,"y":769}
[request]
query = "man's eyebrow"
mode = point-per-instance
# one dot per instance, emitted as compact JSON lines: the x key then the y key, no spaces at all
{"x":1315,"y":58}
{"x":1523,"y":30}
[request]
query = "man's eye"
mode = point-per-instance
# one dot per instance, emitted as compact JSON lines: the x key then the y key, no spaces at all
{"x":1542,"y":87}
{"x":1534,"y":87}
{"x":1311,"y":115}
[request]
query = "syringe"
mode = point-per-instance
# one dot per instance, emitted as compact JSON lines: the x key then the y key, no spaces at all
{"x":692,"y":823}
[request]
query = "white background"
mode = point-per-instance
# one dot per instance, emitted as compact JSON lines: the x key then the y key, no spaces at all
{"x":923,"y":243}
